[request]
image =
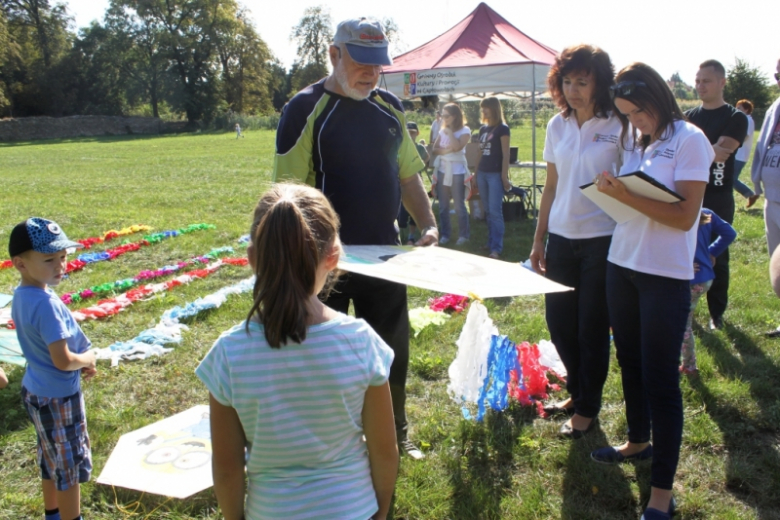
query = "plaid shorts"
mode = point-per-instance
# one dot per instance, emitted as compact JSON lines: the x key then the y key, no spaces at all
{"x":64,"y":455}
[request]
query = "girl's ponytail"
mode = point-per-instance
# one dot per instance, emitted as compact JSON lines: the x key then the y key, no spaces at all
{"x":293,"y":230}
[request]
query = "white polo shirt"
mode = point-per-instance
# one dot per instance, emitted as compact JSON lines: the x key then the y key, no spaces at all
{"x":643,"y":244}
{"x":579,"y":155}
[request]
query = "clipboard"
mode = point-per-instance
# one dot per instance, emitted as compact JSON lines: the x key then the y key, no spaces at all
{"x":637,"y":183}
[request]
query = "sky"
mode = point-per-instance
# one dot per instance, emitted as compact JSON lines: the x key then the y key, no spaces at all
{"x":670,"y":35}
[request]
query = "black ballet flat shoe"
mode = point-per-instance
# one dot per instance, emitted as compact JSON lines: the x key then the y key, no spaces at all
{"x":554,"y":410}
{"x":569,"y":432}
{"x":611,"y":455}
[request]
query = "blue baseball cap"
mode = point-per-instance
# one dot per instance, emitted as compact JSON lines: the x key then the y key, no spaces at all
{"x":38,"y":234}
{"x":365,"y":41}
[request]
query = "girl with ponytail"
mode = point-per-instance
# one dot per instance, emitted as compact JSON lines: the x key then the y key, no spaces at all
{"x":297,"y":386}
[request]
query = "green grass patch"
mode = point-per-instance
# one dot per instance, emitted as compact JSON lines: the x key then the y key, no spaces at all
{"x":511,"y":466}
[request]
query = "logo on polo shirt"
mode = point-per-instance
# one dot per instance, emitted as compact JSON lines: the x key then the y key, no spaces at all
{"x":666,"y":153}
{"x":605,"y":138}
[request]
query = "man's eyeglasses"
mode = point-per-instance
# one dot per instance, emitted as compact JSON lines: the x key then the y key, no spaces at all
{"x":625,"y":88}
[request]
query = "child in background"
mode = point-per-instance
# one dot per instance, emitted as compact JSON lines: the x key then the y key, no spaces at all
{"x":238,"y":131}
{"x":57,"y":354}
{"x":298,"y":384}
{"x":707,"y":250}
{"x":404,"y":218}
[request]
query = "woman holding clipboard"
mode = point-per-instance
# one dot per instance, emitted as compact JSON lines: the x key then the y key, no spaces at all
{"x":581,"y":140}
{"x":649,"y":269}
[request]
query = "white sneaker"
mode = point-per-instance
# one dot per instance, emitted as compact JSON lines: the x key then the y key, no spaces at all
{"x":407,"y":448}
{"x":461,"y":241}
{"x":444,"y":240}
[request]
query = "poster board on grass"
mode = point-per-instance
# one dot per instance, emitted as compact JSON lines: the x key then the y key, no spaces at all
{"x":171,"y":457}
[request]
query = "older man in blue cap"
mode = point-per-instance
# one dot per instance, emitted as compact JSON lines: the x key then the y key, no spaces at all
{"x":347,"y":138}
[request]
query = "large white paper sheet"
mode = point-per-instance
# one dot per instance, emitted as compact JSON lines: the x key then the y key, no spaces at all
{"x":171,"y":457}
{"x":638,"y":183}
{"x":446,"y":270}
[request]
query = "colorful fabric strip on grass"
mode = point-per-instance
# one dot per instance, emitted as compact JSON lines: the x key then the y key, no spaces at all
{"x":453,"y":302}
{"x":89,"y":258}
{"x":127,"y":283}
{"x":89,"y":242}
{"x":112,"y":234}
{"x":168,"y":331}
{"x":112,"y":306}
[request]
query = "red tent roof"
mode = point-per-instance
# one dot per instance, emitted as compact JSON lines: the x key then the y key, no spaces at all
{"x":482,"y":38}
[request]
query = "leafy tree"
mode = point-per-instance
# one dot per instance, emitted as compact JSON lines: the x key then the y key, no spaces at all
{"x":313,"y":35}
{"x":49,"y":24}
{"x":243,"y":56}
{"x":37,"y":38}
{"x":189,"y":30}
{"x":278,"y":84}
{"x":746,"y":82}
{"x":393,"y":35}
{"x":90,"y":78}
{"x":138,"y":43}
{"x":3,"y":45}
{"x":301,"y":77}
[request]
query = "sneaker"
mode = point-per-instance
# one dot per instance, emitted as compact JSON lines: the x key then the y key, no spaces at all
{"x":444,"y":240}
{"x":461,"y":241}
{"x":405,"y":447}
{"x":494,"y":255}
{"x":716,"y":323}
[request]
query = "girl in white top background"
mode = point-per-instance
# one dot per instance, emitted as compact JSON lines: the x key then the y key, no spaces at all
{"x":649,"y":272}
{"x":451,"y":172}
{"x":298,"y":392}
{"x":743,"y":153}
{"x":582,"y":140}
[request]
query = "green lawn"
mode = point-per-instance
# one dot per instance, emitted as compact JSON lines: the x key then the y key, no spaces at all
{"x":512,"y":466}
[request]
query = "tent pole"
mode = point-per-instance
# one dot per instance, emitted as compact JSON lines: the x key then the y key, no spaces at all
{"x":533,"y":138}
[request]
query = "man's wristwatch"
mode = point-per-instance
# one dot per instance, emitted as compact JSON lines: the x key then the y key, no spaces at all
{"x":426,"y":229}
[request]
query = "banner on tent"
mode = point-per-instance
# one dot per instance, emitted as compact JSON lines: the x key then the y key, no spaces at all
{"x":446,"y":82}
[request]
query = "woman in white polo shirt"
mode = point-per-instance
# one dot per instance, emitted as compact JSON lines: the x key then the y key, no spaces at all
{"x":649,"y":272}
{"x":582,"y":140}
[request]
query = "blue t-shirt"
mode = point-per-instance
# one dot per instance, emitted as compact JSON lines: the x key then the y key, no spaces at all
{"x":490,"y":145}
{"x":41,"y":319}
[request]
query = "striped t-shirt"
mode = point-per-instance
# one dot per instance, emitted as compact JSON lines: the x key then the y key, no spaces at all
{"x":301,"y":407}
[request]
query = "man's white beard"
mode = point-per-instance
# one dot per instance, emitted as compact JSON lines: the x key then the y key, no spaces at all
{"x":343,"y":80}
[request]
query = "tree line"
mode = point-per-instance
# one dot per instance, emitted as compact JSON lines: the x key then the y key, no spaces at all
{"x":194,"y":58}
{"x":187,"y":58}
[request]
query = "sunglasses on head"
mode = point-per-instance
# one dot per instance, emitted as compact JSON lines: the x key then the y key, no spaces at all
{"x":625,"y":88}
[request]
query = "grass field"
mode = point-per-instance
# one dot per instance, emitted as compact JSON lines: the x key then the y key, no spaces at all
{"x":512,"y":466}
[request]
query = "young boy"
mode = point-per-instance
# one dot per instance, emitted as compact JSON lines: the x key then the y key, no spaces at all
{"x":56,"y":351}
